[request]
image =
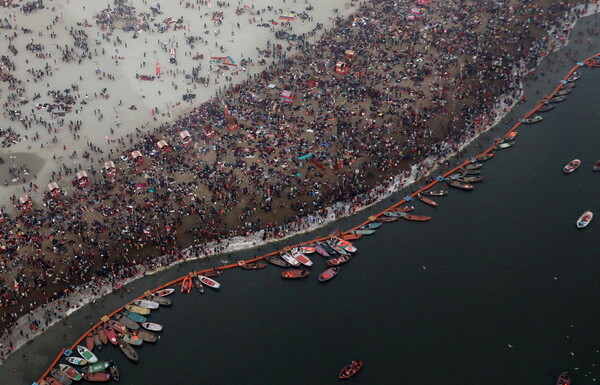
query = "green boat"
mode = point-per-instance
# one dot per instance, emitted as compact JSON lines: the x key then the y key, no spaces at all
{"x":395,"y":213}
{"x":371,"y":226}
{"x":504,"y":145}
{"x":134,"y":316}
{"x":362,"y":232}
{"x":97,"y":367}
{"x":85,"y":353}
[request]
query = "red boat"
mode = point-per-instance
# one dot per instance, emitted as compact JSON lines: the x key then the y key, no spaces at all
{"x":386,"y":219}
{"x":253,"y":265}
{"x":110,"y":334}
{"x":97,"y":377}
{"x":404,"y":209}
{"x":563,"y":379}
{"x":52,"y":381}
{"x":351,"y":369}
{"x":118,"y":326}
{"x":329,"y":274}
{"x":417,"y":218}
{"x":89,"y":341}
{"x":338,"y":261}
{"x":294,"y":273}
{"x":213,"y":273}
{"x":572,"y":166}
{"x":427,"y":200}
{"x":351,"y":237}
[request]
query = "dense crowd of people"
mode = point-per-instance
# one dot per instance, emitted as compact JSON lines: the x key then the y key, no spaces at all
{"x":275,"y":152}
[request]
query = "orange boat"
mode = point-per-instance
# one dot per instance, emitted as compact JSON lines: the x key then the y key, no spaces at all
{"x":350,"y":237}
{"x":186,"y":285}
{"x":417,"y":218}
{"x":427,"y":200}
{"x":351,"y":369}
{"x":404,"y":209}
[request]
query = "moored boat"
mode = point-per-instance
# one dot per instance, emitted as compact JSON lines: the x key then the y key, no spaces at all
{"x":564,"y":91}
{"x":134,"y":316}
{"x":403,"y":209}
{"x":97,"y":340}
{"x":370,"y":226}
{"x":294,"y":273}
{"x":137,"y":309}
{"x":596,"y":166}
{"x":128,"y":323}
{"x":289,"y":259}
{"x":362,"y":232}
{"x":160,"y":300}
{"x":386,"y":219}
{"x":277,"y":261}
{"x":147,"y":336}
{"x":77,"y":361}
{"x":571,"y":166}
{"x":328,"y":274}
{"x":351,"y":237}
{"x":338,"y":261}
{"x":533,"y":119}
{"x":164,"y":292}
{"x":330,"y":250}
{"x":133,"y":340}
{"x":508,"y":138}
{"x":89,"y":341}
{"x":585,"y":219}
{"x":118,"y":326}
{"x":86,"y":354}
{"x":321,"y":250}
{"x":574,"y":77}
{"x":563,"y":379}
{"x":213,"y":273}
{"x":347,"y":246}
{"x":351,"y":369}
{"x":209,"y":282}
{"x":152,"y":326}
{"x":426,"y":200}
{"x":435,"y":193}
{"x":253,"y":265}
{"x":53,"y":381}
{"x":198,"y":285}
{"x":111,"y":335}
{"x":546,"y":107}
{"x":394,"y":214}
{"x":128,"y":350}
{"x":146,"y":304}
{"x":307,"y":249}
{"x":114,"y":371}
{"x":300,"y":257}
{"x":97,"y":377}
{"x":470,"y":179}
{"x":475,"y":166}
{"x":485,"y":157}
{"x":558,"y":99}
{"x":59,"y":376}
{"x":417,"y":218}
{"x":102,"y":335}
{"x":460,"y":185}
{"x":70,"y":372}
{"x":97,"y":367}
{"x":503,"y":145}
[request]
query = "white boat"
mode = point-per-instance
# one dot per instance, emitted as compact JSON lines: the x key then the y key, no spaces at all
{"x":572,"y":166}
{"x":290,"y":259}
{"x":77,"y":361}
{"x":85,"y":353}
{"x":209,"y":282}
{"x":146,"y":304}
{"x":344,"y":244}
{"x":585,"y":219}
{"x":152,"y":326}
{"x":303,"y":259}
{"x":164,"y":292}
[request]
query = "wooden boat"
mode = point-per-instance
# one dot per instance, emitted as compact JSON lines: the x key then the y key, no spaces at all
{"x":485,"y":157}
{"x":351,"y":369}
{"x":77,"y":361}
{"x":362,"y":232}
{"x":470,"y":179}
{"x":152,"y":326}
{"x":395,"y":214}
{"x":133,"y":340}
{"x":102,"y":335}
{"x":97,"y":367}
{"x":128,"y":350}
{"x":371,"y":226}
{"x":89,"y":341}
{"x":213,"y":273}
{"x":253,"y":265}
{"x":328,"y":274}
{"x":585,"y":219}
{"x":417,"y":218}
{"x":563,"y":379}
{"x":209,"y":282}
{"x":110,"y":334}
{"x":533,"y":119}
{"x":460,"y":185}
{"x":386,"y":219}
{"x":114,"y":371}
{"x":564,"y":91}
{"x":307,"y":249}
{"x":558,"y":99}
{"x":546,"y":107}
{"x":128,"y":323}
{"x":508,"y":138}
{"x":476,"y":166}
{"x":97,"y":377}
{"x":164,"y":292}
{"x":303,"y":259}
{"x":118,"y":326}
{"x":137,"y":309}
{"x":503,"y":145}
{"x":338,"y":261}
{"x":97,"y":340}
{"x":351,"y":237}
{"x":404,"y":209}
{"x":198,"y":285}
{"x":330,"y":250}
{"x":574,"y":77}
{"x":294,"y":273}
{"x":146,"y":304}
{"x":569,"y":85}
{"x":464,"y":172}
{"x":160,"y":300}
{"x":147,"y":336}
{"x":86,"y":354}
{"x":321,"y":250}
{"x":60,"y":377}
{"x":427,"y":200}
{"x":289,"y":259}
{"x":596,"y":166}
{"x":435,"y":193}
{"x":347,"y":246}
{"x":277,"y":261}
{"x":70,"y":372}
{"x":572,"y":166}
{"x":134,"y":316}
{"x":53,"y":381}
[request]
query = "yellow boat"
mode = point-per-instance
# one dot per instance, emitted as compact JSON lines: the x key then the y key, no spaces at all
{"x":137,"y":309}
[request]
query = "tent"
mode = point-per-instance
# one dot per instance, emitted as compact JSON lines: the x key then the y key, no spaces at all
{"x":109,"y":168}
{"x":163,"y":146}
{"x":287,"y":96}
{"x":186,"y":138}
{"x":342,"y":68}
{"x":25,"y":203}
{"x":349,"y":55}
{"x":137,"y":157}
{"x":82,"y":179}
{"x":53,"y":189}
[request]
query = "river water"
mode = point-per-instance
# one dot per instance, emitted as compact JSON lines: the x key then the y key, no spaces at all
{"x":499,"y":287}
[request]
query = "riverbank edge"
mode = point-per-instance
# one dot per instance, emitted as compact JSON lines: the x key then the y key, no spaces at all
{"x":81,"y":295}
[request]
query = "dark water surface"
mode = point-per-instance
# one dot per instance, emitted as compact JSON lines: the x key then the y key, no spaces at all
{"x":421,"y":303}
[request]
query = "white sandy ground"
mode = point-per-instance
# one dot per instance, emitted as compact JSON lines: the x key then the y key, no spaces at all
{"x":84,"y":295}
{"x":148,"y":49}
